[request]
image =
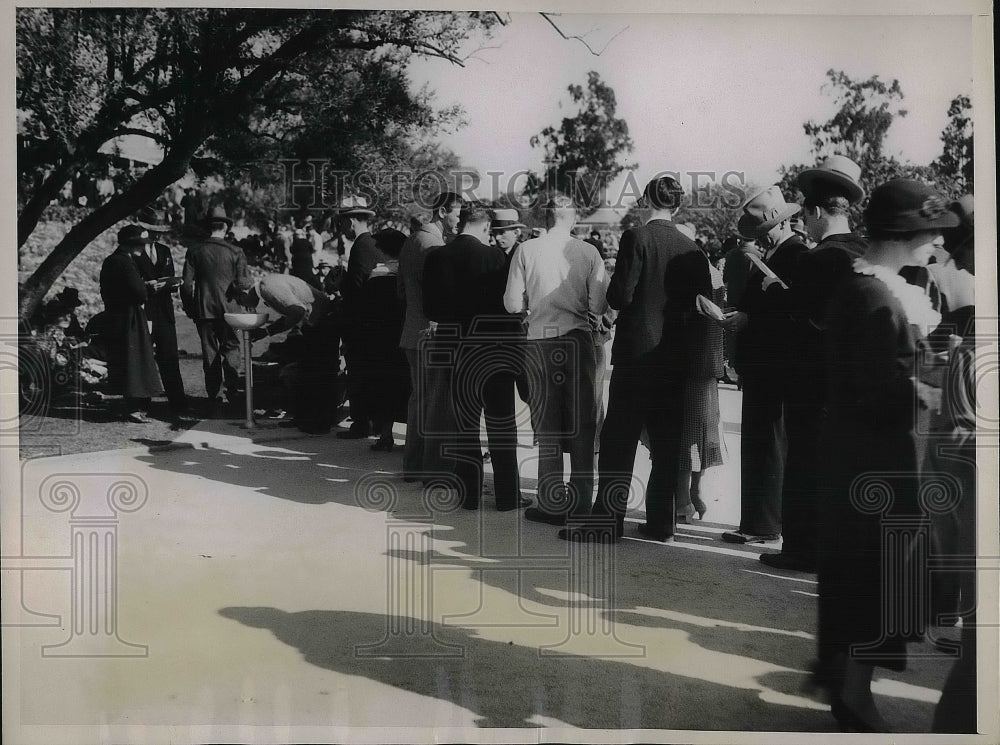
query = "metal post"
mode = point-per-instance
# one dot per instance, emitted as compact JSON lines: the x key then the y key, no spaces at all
{"x":248,"y":366}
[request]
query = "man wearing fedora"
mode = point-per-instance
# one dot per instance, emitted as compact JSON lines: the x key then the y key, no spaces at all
{"x":211,"y":267}
{"x":131,"y":363}
{"x":354,"y":218}
{"x":764,"y":322}
{"x":427,"y":408}
{"x":156,"y":266}
{"x":829,"y":190}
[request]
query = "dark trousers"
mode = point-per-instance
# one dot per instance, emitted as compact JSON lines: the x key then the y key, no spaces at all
{"x":763,"y":449}
{"x":360,"y":416}
{"x":566,"y":419}
{"x":483,"y":384}
{"x":803,"y":416}
{"x":165,"y":343}
{"x":220,"y":350}
{"x":317,"y":396}
{"x":413,"y":452}
{"x":437,"y":360}
{"x":642,"y":393}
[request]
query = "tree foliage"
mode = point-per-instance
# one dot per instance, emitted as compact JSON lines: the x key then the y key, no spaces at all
{"x":188,"y":79}
{"x":588,"y":150}
{"x":858,"y":129}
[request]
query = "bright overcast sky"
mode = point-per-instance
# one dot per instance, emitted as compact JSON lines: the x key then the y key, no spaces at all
{"x":701,"y":92}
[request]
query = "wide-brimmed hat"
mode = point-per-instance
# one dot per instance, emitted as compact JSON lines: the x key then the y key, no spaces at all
{"x":134,"y":235}
{"x":218,"y":214}
{"x":838,"y":171}
{"x":69,"y":297}
{"x":505,"y":219}
{"x":152,"y":220}
{"x":906,"y":205}
{"x":961,"y":235}
{"x":764,"y":210}
{"x":354,"y":206}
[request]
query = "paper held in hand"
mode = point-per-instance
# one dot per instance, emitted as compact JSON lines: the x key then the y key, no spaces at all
{"x":709,"y":309}
{"x":766,"y":269}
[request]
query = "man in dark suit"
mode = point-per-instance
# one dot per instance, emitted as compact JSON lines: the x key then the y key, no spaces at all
{"x":658,"y":275}
{"x":210,"y":267}
{"x":156,"y":266}
{"x":463,"y":287}
{"x":354,"y":218}
{"x":765,"y":322}
{"x":829,"y":189}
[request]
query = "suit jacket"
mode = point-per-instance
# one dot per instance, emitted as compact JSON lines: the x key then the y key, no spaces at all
{"x":160,"y":305}
{"x":658,"y":273}
{"x":210,"y":267}
{"x":770,"y":339}
{"x":364,"y":257}
{"x":464,"y":283}
{"x":411,"y":275}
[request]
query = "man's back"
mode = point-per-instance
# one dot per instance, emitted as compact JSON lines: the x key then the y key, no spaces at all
{"x":209,"y":269}
{"x":560,"y":279}
{"x":641,"y":288}
{"x":464,"y":280}
{"x":411,"y":272}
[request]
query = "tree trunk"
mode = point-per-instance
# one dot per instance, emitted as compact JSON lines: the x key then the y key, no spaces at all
{"x":48,"y":190}
{"x":119,"y":207}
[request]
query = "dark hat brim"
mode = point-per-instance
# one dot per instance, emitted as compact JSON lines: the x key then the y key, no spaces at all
{"x":912,"y":222}
{"x":808,"y":178}
{"x":355,"y":211}
{"x":496,"y":228}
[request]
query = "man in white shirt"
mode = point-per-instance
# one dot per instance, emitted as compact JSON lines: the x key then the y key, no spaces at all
{"x":561,"y":282}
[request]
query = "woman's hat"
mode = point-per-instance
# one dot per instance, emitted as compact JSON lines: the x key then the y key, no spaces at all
{"x":838,"y":171}
{"x":69,"y":297}
{"x":763,"y":211}
{"x":905,"y":205}
{"x":505,"y":219}
{"x":134,"y":235}
{"x":218,"y":214}
{"x":152,"y":220}
{"x":354,"y":206}
{"x":960,"y":236}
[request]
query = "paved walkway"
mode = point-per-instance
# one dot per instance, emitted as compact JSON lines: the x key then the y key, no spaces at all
{"x":295,"y":582}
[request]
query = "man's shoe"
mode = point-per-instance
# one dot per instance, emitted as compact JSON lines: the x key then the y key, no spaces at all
{"x":352,"y":434}
{"x":591,"y":534}
{"x":738,"y":536}
{"x":788,"y":561}
{"x":536,"y":515}
{"x":522,"y":502}
{"x":137,"y":417}
{"x":654,"y":534}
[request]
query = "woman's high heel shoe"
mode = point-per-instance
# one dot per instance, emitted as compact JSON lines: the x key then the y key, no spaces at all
{"x":699,"y":507}
{"x":850,"y":721}
{"x":684,"y":514}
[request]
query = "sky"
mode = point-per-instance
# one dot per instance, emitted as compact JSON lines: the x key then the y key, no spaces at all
{"x":700,"y":92}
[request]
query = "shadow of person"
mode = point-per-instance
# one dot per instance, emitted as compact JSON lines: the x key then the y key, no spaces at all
{"x":509,"y":685}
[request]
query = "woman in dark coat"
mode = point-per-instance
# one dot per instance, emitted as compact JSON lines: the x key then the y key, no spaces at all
{"x":869,"y":600}
{"x":386,"y":377}
{"x":302,"y":259}
{"x":132,"y":367}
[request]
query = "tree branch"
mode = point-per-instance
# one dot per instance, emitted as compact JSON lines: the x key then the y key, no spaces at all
{"x":158,"y":138}
{"x":580,"y":39}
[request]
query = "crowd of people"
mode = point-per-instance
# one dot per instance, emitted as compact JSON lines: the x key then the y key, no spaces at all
{"x":854,"y":353}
